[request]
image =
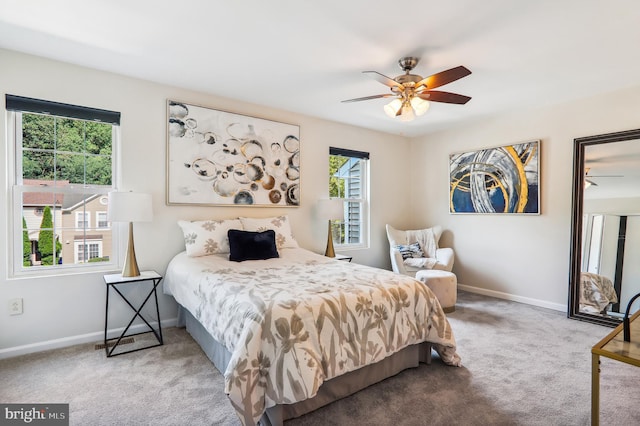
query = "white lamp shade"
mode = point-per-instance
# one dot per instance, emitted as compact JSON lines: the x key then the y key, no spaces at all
{"x":420,"y":106}
{"x":129,"y":207}
{"x":391,"y":109}
{"x":407,"y":112}
{"x":331,"y":209}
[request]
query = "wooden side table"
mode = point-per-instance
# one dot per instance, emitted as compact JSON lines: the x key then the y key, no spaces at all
{"x":113,"y":281}
{"x":613,"y":346}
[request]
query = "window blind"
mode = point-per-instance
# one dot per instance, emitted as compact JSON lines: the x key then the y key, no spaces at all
{"x":348,"y":153}
{"x":20,"y":103}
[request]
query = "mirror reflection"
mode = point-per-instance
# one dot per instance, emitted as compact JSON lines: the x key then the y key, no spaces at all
{"x":609,"y":261}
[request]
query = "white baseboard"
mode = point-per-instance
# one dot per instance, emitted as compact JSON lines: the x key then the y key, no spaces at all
{"x":97,"y":337}
{"x":514,"y":298}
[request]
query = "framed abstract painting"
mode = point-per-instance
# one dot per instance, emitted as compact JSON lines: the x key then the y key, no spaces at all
{"x":221,"y":158}
{"x":504,"y":179}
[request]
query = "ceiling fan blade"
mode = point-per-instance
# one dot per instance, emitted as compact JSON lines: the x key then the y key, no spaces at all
{"x":366,"y":98}
{"x":446,"y":97}
{"x":591,"y":182}
{"x":383,"y":79}
{"x":444,"y":77}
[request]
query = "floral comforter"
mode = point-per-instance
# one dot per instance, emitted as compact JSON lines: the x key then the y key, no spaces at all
{"x":293,"y":322}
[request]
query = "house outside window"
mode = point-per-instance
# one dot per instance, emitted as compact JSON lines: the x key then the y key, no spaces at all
{"x":61,"y":166}
{"x":348,"y":179}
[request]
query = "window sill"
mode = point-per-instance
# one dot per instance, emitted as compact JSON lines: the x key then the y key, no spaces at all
{"x":350,"y":247}
{"x":61,"y":271}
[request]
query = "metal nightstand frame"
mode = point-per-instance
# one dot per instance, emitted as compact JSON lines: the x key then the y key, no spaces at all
{"x":112,"y":281}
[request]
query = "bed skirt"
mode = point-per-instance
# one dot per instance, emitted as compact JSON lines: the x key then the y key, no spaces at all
{"x":331,"y":390}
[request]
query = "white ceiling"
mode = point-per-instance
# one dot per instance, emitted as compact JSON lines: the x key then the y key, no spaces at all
{"x":307,"y":56}
{"x":614,"y":168}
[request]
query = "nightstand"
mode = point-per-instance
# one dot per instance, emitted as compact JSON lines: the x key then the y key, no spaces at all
{"x":343,"y":257}
{"x":114,"y":281}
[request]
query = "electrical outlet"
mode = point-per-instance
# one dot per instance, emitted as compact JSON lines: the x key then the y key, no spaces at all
{"x":15,"y":306}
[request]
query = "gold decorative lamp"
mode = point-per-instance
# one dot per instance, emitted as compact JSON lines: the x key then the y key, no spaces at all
{"x":331,"y":209}
{"x":130,"y":207}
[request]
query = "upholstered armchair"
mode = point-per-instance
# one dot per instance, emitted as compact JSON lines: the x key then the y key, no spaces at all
{"x":427,"y":256}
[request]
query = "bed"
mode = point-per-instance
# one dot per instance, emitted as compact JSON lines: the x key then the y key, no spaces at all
{"x":295,"y":332}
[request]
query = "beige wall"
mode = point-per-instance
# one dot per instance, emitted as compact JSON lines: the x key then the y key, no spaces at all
{"x":65,"y":310}
{"x":517,"y":257}
{"x":524,"y":258}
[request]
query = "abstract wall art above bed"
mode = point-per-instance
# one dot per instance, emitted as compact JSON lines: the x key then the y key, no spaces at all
{"x":496,"y":180}
{"x":221,"y":158}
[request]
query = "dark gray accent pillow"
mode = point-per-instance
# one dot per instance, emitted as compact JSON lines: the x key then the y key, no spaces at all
{"x":249,"y":245}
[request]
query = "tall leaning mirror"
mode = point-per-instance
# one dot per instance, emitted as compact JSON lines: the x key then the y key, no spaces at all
{"x":605,"y":235}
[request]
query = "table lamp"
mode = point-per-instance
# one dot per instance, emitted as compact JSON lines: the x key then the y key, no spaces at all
{"x":130,"y":207}
{"x":331,"y":209}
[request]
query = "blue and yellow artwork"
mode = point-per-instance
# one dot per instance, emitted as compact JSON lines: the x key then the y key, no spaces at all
{"x":496,"y":180}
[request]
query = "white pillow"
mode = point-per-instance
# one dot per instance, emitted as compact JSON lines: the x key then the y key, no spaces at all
{"x":207,"y":236}
{"x":280,"y":224}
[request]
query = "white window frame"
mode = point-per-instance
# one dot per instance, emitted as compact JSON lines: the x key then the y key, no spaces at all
{"x":98,"y":221}
{"x":82,"y":243}
{"x":14,"y":260}
{"x":364,"y":209}
{"x":87,"y":220}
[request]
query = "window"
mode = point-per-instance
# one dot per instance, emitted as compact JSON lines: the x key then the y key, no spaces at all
{"x":86,"y":251}
{"x":101,"y":220}
{"x":348,"y":180}
{"x":82,"y":221}
{"x":62,"y":168}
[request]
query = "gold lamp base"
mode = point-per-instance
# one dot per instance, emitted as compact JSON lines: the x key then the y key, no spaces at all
{"x":329,"y":250}
{"x":130,"y":268}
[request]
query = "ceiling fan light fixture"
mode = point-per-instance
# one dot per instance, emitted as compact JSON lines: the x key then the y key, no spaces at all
{"x":392,"y":108}
{"x":420,"y":106}
{"x":413,"y":94}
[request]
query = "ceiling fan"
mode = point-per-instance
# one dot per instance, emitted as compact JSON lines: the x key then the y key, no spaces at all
{"x":588,"y":179}
{"x":412,"y":93}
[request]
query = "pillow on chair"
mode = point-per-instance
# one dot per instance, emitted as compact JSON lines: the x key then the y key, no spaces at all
{"x":409,"y":251}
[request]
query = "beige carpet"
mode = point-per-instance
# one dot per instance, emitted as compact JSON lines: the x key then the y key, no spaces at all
{"x":522,"y":366}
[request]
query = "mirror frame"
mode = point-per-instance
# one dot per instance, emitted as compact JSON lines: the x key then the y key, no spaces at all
{"x":579,"y":145}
